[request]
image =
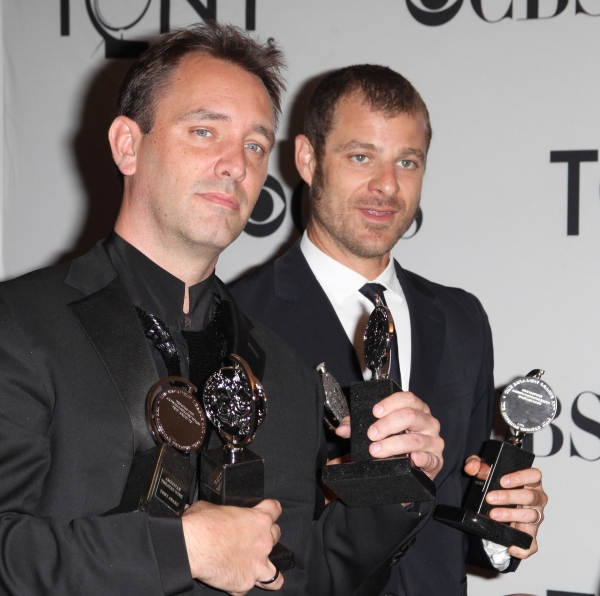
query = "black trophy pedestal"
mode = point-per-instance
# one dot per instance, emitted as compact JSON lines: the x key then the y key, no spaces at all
{"x":238,"y":478}
{"x":366,"y":481}
{"x":159,"y":482}
{"x":232,"y":477}
{"x":503,"y":459}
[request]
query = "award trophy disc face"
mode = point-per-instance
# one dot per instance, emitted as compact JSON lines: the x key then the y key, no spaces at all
{"x":527,"y":405}
{"x":366,"y":481}
{"x":236,"y":404}
{"x":160,"y":478}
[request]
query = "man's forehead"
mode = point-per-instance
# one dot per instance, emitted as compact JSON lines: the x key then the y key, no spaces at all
{"x":352,"y":124}
{"x":202,"y":81}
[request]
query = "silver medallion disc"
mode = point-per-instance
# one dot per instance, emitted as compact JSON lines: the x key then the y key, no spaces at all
{"x":235,"y":402}
{"x":528,"y":404}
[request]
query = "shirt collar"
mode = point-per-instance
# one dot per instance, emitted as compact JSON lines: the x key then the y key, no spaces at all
{"x":339,"y":281}
{"x":157,"y":291}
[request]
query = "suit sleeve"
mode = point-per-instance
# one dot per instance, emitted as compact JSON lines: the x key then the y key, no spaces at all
{"x":38,"y":554}
{"x":350,"y":550}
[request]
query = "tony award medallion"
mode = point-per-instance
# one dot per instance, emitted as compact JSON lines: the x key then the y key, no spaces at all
{"x":366,"y":481}
{"x":160,"y":478}
{"x":336,"y":406}
{"x":527,"y":405}
{"x":236,"y":404}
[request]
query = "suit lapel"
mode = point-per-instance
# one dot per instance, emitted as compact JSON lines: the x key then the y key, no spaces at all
{"x":111,"y":324}
{"x":428,"y":332}
{"x":238,"y":333}
{"x":320,"y":336}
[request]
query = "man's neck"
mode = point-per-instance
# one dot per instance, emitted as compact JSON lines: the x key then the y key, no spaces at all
{"x":371,"y":268}
{"x":189,"y":268}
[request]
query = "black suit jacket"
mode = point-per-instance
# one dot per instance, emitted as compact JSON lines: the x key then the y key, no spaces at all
{"x":451,"y":370}
{"x":75,"y":369}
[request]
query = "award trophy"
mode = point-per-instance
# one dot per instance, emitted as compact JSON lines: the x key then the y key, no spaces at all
{"x":527,"y":405}
{"x":160,"y":478}
{"x":336,"y":406}
{"x":236,"y":404}
{"x":366,"y":481}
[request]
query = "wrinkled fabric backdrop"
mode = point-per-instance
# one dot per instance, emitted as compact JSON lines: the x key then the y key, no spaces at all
{"x":510,"y":206}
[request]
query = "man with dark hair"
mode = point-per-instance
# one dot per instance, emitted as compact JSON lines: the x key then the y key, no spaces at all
{"x":363,"y":156}
{"x":83,"y":343}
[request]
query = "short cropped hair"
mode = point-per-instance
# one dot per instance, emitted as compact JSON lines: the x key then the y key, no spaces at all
{"x":149,"y":76}
{"x":380,"y":87}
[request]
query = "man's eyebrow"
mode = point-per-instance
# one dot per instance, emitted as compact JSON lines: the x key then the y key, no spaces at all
{"x":203,"y":114}
{"x":352,"y":145}
{"x":265,"y":132}
{"x":417,"y":152}
{"x":356,"y":145}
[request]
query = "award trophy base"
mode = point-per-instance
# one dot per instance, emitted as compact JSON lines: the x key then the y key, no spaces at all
{"x":237,"y":478}
{"x":366,"y":481}
{"x":159,"y":482}
{"x":503,"y":459}
{"x":232,"y":477}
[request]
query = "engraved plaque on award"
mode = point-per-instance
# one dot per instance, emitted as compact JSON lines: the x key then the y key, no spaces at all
{"x":527,"y":405}
{"x":160,"y":478}
{"x":236,"y":404}
{"x":367,"y":481}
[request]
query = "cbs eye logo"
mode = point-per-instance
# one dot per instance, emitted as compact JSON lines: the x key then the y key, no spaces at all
{"x":433,"y":12}
{"x":269,"y":211}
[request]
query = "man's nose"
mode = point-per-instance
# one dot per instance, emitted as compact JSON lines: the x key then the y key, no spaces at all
{"x":385,"y":180}
{"x":232,"y":164}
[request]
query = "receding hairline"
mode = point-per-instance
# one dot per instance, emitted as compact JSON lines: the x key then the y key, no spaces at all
{"x":164,"y":85}
{"x":357,"y":95}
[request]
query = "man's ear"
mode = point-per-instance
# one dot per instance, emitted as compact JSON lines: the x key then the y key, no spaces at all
{"x":305,"y":159}
{"x":123,"y":136}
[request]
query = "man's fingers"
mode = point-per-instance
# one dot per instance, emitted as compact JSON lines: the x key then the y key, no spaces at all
{"x":521,"y":553}
{"x":398,"y":401}
{"x":474,"y":466}
{"x":529,"y":477}
{"x":343,"y":430}
{"x":429,"y":447}
{"x":276,"y":533}
{"x":271,"y":507}
{"x":430,"y":463}
{"x":410,"y":419}
{"x":273,"y":582}
{"x":523,"y":515}
{"x":519,"y":496}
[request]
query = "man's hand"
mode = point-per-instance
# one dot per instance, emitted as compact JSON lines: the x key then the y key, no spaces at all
{"x":526,"y":492}
{"x":228,"y":547}
{"x":399,"y":412}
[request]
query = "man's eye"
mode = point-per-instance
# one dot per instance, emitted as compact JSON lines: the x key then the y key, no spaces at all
{"x":254,"y":147}
{"x":407,"y":163}
{"x":360,"y":158}
{"x":202,"y":132}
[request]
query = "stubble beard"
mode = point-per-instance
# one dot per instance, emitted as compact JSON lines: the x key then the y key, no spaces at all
{"x":197,"y":234}
{"x":381,"y":237}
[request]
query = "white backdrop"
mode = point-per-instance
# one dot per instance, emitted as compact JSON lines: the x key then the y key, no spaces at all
{"x":502,"y":96}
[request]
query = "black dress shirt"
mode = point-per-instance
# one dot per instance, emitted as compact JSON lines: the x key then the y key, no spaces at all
{"x":156,"y":291}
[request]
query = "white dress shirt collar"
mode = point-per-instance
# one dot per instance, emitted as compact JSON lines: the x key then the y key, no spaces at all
{"x":340,"y":281}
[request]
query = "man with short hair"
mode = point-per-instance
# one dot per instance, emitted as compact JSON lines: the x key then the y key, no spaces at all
{"x":363,"y":155}
{"x":83,"y":343}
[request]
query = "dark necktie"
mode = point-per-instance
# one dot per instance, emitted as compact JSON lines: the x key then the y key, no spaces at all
{"x":369,"y":290}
